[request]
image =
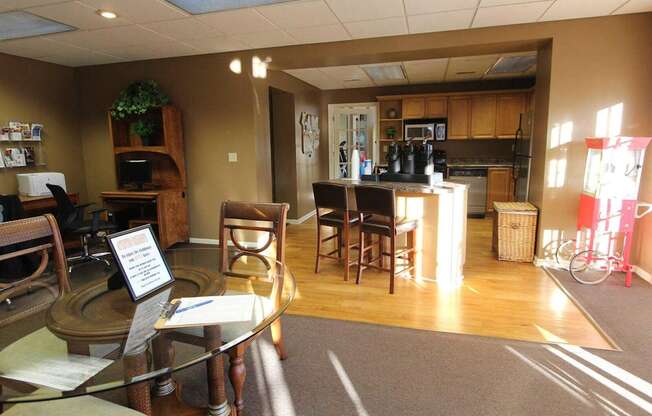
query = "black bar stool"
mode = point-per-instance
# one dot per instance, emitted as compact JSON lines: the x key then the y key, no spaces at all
{"x":377,"y":215}
{"x":333,"y":197}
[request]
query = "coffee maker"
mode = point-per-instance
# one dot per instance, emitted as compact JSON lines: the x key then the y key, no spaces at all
{"x":408,"y":158}
{"x":394,"y":158}
{"x":423,"y":158}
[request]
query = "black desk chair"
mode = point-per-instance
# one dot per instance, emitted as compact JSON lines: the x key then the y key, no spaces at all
{"x":71,"y":219}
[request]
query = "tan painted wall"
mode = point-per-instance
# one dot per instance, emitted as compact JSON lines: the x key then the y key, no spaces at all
{"x":32,"y":91}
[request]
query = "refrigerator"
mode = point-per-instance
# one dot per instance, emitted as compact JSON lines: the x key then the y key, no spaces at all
{"x":522,"y":156}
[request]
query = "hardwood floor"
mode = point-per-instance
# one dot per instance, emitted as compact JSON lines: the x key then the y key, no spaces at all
{"x":499,"y":299}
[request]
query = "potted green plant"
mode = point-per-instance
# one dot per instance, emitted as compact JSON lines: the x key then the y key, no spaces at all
{"x":390,"y":132}
{"x":135,"y":104}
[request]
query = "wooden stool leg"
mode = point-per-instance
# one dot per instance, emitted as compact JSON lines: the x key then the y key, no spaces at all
{"x":360,"y":254}
{"x":381,"y":244}
{"x":392,"y":263}
{"x":277,"y":339}
{"x":347,"y":234}
{"x":412,"y":244}
{"x":318,"y":247}
{"x":339,"y":243}
{"x":237,"y":374}
{"x":369,"y":244}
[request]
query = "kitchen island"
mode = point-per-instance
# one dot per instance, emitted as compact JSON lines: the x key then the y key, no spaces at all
{"x":441,"y":233}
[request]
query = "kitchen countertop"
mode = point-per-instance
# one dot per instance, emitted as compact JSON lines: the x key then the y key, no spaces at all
{"x":408,"y":187}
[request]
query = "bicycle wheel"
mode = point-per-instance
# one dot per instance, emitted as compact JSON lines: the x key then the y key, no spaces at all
{"x":565,"y":252}
{"x":590,"y":267}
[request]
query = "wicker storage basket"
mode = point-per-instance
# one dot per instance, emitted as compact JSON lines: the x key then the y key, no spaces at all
{"x":515,"y":225}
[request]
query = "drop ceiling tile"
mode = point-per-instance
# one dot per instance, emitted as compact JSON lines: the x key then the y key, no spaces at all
{"x":345,"y":73}
{"x":82,"y":58}
{"x":352,"y":11}
{"x":316,"y":34}
{"x":6,"y":5}
{"x":575,"y":9}
{"x":237,"y":21}
{"x":153,"y":50}
{"x":182,"y":29}
{"x":77,"y":15}
{"x":510,"y":15}
{"x":139,"y":11}
{"x":266,"y":39}
{"x":439,"y":22}
{"x":635,"y":6}
{"x":359,"y":83}
{"x":314,"y":77}
{"x":299,"y":14}
{"x":414,"y":7}
{"x":427,"y":70}
{"x":490,"y":3}
{"x":467,"y":68}
{"x":217,"y":44}
{"x":108,"y":38}
{"x":377,"y":28}
{"x":35,"y":47}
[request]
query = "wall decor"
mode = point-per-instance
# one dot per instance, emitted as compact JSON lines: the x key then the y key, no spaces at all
{"x":309,"y":133}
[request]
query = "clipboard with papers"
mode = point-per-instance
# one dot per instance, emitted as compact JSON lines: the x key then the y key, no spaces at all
{"x":206,"y":310}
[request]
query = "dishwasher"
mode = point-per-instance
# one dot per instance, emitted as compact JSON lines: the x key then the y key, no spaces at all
{"x":476,"y":181}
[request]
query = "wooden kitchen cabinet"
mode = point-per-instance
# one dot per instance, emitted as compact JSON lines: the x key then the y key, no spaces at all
{"x":414,"y":107}
{"x":500,"y":186}
{"x":483,"y":116}
{"x":436,"y":107}
{"x":459,"y":117}
{"x":508,"y":110}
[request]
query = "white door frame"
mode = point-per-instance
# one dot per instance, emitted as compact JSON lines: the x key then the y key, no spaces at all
{"x":332,"y":146}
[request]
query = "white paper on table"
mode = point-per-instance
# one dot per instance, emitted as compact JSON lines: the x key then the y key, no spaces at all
{"x":142,"y":324}
{"x":222,"y":309}
{"x":64,"y":374}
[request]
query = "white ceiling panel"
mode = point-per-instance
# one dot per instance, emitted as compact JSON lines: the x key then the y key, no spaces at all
{"x":468,"y":68}
{"x":439,"y":22}
{"x":266,"y":39}
{"x":154,"y":50}
{"x":101,"y":39}
{"x":635,"y":6}
{"x":511,"y":14}
{"x":315,"y":77}
{"x":413,"y":7}
{"x":377,"y":28}
{"x":23,"y":4}
{"x":35,"y":47}
{"x":217,"y":44}
{"x":299,"y":14}
{"x":574,"y":9}
{"x":353,"y":11}
{"x":427,"y":70}
{"x":490,"y":3}
{"x":139,"y":11}
{"x":345,"y":73}
{"x":81,"y":58}
{"x":238,"y":21}
{"x":183,"y":29}
{"x":77,"y":15}
{"x":316,"y":34}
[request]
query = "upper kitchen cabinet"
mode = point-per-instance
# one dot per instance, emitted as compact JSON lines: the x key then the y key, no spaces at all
{"x":414,"y":107}
{"x":508,"y":110}
{"x":436,"y":107}
{"x":483,"y":116}
{"x":459,"y":117}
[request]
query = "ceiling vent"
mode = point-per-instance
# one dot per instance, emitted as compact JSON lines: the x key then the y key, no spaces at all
{"x":513,"y":64}
{"x":208,"y":6}
{"x":385,"y":73}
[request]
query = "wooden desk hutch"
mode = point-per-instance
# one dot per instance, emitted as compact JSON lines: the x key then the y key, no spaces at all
{"x":165,"y":206}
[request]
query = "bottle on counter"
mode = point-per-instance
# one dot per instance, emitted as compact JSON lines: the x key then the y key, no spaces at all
{"x":355,"y":162}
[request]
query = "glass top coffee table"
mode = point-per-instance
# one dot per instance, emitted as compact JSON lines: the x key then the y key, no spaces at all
{"x":95,"y":338}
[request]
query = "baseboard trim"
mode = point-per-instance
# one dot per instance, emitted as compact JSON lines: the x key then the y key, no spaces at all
{"x":642,"y":274}
{"x":302,"y":219}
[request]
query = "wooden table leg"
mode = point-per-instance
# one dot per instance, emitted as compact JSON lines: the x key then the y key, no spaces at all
{"x":237,"y":374}
{"x":138,"y":394}
{"x":163,"y":352}
{"x":218,"y":405}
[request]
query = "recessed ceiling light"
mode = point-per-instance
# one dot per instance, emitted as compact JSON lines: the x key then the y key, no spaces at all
{"x":14,"y":25}
{"x":107,"y":14}
{"x":385,"y":72}
{"x":207,"y":6}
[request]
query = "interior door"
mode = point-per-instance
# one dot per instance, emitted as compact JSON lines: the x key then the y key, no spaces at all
{"x":351,"y":126}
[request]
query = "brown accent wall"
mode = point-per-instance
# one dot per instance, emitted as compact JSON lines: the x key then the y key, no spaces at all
{"x":33,"y":91}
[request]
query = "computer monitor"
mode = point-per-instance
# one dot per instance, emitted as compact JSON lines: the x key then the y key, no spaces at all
{"x":137,"y":172}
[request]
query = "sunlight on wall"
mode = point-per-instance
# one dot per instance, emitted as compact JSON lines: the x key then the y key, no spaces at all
{"x":561,"y":134}
{"x":556,"y":173}
{"x":609,"y":121}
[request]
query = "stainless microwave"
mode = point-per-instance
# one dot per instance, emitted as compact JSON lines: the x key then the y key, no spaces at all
{"x":431,"y":130}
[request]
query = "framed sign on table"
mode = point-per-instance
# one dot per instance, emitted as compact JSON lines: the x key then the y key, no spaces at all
{"x":140,"y":260}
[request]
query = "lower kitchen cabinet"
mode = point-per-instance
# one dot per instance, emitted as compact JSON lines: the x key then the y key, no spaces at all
{"x":500,"y":186}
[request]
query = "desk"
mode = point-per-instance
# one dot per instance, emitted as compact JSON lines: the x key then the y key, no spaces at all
{"x":165,"y":209}
{"x":36,"y":205}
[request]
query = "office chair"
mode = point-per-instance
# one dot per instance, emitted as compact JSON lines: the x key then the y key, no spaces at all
{"x":71,"y":219}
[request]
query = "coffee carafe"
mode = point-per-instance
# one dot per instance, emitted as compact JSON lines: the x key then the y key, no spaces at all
{"x":407,"y":159}
{"x":424,"y":159}
{"x":393,"y":158}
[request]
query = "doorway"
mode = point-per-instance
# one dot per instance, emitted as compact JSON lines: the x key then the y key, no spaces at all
{"x":350,"y":125}
{"x":282,"y":146}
